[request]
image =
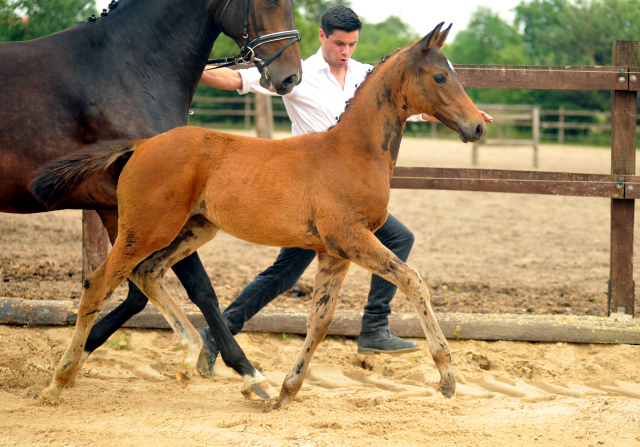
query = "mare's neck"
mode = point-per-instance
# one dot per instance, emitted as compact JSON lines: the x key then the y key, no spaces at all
{"x":162,"y":45}
{"x":375,"y":117}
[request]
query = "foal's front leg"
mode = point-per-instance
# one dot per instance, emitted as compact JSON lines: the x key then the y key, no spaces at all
{"x":367,"y":251}
{"x":331,"y":273}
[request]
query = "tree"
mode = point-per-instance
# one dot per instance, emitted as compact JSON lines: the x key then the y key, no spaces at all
{"x":489,"y":40}
{"x":30,"y":19}
{"x":380,"y":39}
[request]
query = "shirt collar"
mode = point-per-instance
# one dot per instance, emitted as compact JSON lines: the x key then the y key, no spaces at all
{"x":318,"y":60}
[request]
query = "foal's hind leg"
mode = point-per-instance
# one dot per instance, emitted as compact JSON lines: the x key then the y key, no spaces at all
{"x":132,"y":305}
{"x":148,"y":276}
{"x":331,"y":273}
{"x":97,"y":288}
{"x":369,"y":253}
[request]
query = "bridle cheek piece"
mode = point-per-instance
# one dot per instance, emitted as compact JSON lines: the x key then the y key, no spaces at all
{"x":247,"y":52}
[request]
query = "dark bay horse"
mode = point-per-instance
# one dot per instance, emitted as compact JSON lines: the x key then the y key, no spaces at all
{"x":131,"y":74}
{"x":327,"y":192}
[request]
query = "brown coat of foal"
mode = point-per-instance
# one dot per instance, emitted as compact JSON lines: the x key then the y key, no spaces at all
{"x":326,"y":192}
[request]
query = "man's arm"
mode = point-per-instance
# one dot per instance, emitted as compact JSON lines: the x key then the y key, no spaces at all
{"x":222,"y":79}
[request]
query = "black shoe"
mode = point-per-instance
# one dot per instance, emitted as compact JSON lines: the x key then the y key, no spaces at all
{"x":381,"y":342}
{"x":209,"y":353}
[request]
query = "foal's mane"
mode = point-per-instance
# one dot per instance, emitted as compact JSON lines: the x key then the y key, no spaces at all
{"x":372,"y":73}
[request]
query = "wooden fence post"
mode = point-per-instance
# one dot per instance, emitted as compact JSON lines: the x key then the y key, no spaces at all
{"x":247,"y":111}
{"x":535,"y":124}
{"x":264,"y":116}
{"x":561,"y":125}
{"x":623,"y":162}
{"x":95,"y":242}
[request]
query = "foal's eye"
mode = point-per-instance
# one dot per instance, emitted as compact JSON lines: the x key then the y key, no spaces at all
{"x":440,"y":79}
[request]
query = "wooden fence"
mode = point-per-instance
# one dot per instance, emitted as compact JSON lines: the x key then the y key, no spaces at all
{"x":622,"y":186}
{"x":505,"y":115}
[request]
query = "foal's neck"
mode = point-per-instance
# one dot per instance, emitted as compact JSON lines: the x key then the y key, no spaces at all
{"x":375,"y":117}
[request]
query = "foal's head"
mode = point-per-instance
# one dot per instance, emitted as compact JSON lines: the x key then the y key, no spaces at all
{"x":434,"y":87}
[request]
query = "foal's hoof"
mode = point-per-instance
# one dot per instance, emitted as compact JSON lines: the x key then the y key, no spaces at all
{"x":448,"y":391}
{"x":283,"y":401}
{"x":183,"y":379}
{"x":208,"y":354}
{"x":47,"y":398}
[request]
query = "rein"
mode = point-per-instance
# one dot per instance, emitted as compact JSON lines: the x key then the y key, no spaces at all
{"x":247,"y":52}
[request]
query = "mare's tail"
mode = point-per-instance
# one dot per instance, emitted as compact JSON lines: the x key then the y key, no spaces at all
{"x":56,"y":179}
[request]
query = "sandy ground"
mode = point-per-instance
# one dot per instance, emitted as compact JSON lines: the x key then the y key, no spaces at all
{"x":478,"y":252}
{"x":509,"y":394}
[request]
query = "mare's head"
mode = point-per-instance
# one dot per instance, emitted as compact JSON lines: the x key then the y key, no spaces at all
{"x":435,"y":90}
{"x":269,"y":16}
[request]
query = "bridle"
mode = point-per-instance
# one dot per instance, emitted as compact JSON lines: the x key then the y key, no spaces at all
{"x":247,"y":52}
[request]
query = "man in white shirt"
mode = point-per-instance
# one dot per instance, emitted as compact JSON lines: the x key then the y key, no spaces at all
{"x":329,"y":79}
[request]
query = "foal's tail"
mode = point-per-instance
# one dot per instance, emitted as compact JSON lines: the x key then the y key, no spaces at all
{"x":56,"y":179}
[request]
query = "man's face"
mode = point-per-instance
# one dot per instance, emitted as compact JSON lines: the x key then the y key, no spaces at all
{"x":338,"y":47}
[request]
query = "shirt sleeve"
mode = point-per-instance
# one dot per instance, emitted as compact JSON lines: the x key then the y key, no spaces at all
{"x":416,"y":118}
{"x":251,"y":82}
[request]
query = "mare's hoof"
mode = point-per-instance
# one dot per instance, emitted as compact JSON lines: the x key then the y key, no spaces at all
{"x":183,"y":379}
{"x":448,"y":391}
{"x":208,"y":354}
{"x":260,"y":391}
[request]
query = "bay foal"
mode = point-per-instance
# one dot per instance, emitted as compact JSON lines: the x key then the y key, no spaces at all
{"x":327,"y":192}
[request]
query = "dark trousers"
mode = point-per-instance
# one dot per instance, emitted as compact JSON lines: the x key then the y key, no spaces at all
{"x":291,"y":264}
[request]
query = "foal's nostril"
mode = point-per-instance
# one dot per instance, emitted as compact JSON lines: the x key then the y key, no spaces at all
{"x":479,"y":130}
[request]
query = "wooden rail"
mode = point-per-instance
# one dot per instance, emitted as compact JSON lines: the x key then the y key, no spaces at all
{"x":543,"y":328}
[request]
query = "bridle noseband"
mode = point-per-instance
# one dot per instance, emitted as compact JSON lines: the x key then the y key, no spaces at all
{"x":247,"y":52}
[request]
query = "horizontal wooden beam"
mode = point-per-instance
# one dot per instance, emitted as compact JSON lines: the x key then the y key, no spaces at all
{"x":634,"y":86}
{"x":631,"y":186}
{"x":520,"y":182}
{"x":541,"y":77}
{"x":500,"y":142}
{"x":545,"y":328}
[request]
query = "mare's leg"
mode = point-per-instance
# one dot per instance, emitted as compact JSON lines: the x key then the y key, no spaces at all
{"x":331,"y":273}
{"x":148,"y":275}
{"x":367,"y":251}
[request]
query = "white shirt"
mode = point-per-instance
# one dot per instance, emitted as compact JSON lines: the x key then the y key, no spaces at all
{"x":316,"y":103}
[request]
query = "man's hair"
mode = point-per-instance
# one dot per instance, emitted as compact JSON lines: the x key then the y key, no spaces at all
{"x":339,"y":18}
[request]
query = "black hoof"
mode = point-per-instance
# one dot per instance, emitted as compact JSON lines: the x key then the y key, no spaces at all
{"x":209,"y":353}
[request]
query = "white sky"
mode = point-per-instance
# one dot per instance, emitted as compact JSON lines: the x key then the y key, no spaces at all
{"x":422,"y":15}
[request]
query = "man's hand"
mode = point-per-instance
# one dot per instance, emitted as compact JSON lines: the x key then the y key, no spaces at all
{"x":486,"y":117}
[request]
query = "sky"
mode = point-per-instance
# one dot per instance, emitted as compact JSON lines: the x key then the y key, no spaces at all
{"x":424,"y":15}
{"x":421,"y":15}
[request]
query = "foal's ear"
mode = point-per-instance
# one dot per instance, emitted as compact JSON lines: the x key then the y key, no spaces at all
{"x":433,"y":38}
{"x":442,"y":37}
